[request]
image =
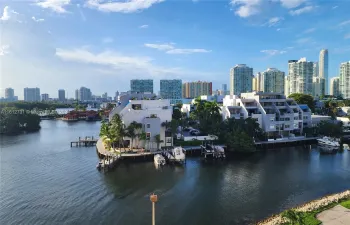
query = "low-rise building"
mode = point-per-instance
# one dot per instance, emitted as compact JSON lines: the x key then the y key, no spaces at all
{"x":276,"y":114}
{"x":152,"y":114}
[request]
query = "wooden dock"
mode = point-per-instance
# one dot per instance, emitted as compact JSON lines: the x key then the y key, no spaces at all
{"x":84,"y":142}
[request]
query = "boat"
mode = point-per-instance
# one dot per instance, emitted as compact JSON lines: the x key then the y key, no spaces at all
{"x":213,"y":150}
{"x":179,"y":154}
{"x":326,"y":149}
{"x":346,"y":147}
{"x":327,"y":141}
{"x":159,"y":160}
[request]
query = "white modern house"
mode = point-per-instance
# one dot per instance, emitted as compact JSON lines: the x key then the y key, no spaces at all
{"x":276,"y":114}
{"x":151,"y":114}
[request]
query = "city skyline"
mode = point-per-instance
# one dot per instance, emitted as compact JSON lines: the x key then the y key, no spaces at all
{"x":63,"y":45}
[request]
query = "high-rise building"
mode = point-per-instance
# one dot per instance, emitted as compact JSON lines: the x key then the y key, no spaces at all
{"x":315,"y":74}
{"x":31,"y":94}
{"x":44,"y":97}
{"x":84,"y":94}
{"x":323,"y":68}
{"x":171,"y":89}
{"x":344,"y":80}
{"x":300,"y":73}
{"x":334,"y":87}
{"x":224,"y":89}
{"x":141,"y":86}
{"x":9,"y":93}
{"x":61,"y":95}
{"x":272,"y":81}
{"x":287,"y":86}
{"x":116,"y":97}
{"x":105,"y":95}
{"x":257,"y":82}
{"x":77,"y":94}
{"x":318,"y":86}
{"x":241,"y":79}
{"x":196,"y":89}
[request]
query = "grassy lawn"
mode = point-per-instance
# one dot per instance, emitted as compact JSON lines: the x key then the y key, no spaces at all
{"x":309,"y":218}
{"x":346,"y":204}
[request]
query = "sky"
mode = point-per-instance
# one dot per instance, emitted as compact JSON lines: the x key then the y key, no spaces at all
{"x":54,"y":44}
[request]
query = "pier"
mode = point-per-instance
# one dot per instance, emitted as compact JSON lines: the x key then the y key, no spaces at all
{"x":84,"y":142}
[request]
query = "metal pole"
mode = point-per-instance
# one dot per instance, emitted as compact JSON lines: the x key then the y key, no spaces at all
{"x":153,"y":213}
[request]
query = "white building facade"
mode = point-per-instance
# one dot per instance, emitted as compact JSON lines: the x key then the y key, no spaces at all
{"x":323,"y":69}
{"x":241,"y":79}
{"x":334,"y":87}
{"x":344,"y":80}
{"x":32,"y":94}
{"x":276,"y":114}
{"x":272,"y":81}
{"x":300,"y":74}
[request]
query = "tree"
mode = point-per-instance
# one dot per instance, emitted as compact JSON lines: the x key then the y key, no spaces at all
{"x":132,"y":131}
{"x":177,"y":115}
{"x":304,"y":99}
{"x":158,"y":140}
{"x":332,"y":129}
{"x":240,"y":141}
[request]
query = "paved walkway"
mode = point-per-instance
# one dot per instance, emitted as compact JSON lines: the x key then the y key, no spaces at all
{"x":337,"y":215}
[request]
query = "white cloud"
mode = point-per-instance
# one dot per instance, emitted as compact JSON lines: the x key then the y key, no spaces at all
{"x":290,"y":4}
{"x":6,"y":15}
{"x":309,"y":30}
{"x":274,"y":21}
{"x":347,"y":22}
{"x":334,"y":7}
{"x":129,"y":6}
{"x":107,"y":40}
{"x":144,"y":26}
{"x":278,"y":29}
{"x":303,"y":40}
{"x":246,"y":8}
{"x":273,"y":52}
{"x":4,"y":50}
{"x":55,"y":5}
{"x":169,"y":48}
{"x":347,"y":36}
{"x":301,"y":10}
{"x":37,"y":20}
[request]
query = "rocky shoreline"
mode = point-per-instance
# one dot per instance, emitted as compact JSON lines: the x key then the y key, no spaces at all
{"x":307,"y":207}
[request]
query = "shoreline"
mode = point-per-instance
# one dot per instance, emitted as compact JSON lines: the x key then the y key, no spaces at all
{"x":307,"y":207}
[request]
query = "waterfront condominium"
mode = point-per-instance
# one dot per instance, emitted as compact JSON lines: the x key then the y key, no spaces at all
{"x":277,"y":115}
{"x":61,"y":95}
{"x":256,"y":82}
{"x":286,"y":86}
{"x":141,"y":86}
{"x":272,"y":80}
{"x":31,"y":94}
{"x":9,"y":93}
{"x":300,"y":73}
{"x":171,"y":89}
{"x":323,"y":69}
{"x":334,"y":87}
{"x":241,"y":79}
{"x":344,"y":80}
{"x":196,"y":89}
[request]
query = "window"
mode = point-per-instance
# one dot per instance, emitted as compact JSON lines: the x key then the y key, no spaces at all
{"x":272,"y":126}
{"x":272,"y":119}
{"x":148,"y":125}
{"x":136,"y":106}
{"x":148,"y":136}
{"x":305,"y":117}
{"x":286,"y":126}
{"x":153,"y":116}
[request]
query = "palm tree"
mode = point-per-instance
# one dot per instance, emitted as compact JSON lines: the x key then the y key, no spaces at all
{"x":158,"y":141}
{"x":132,"y":131}
{"x":142,"y":136}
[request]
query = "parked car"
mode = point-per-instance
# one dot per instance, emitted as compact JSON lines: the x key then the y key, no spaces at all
{"x":188,"y":129}
{"x":194,"y":132}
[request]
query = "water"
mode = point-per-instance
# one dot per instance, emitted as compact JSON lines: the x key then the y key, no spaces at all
{"x":44,"y":181}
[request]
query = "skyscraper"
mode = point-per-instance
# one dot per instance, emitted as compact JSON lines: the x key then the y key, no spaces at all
{"x":44,"y":97}
{"x":241,"y":79}
{"x":315,"y":73}
{"x":9,"y":93}
{"x":300,"y":73}
{"x":273,"y":81}
{"x":224,"y":89}
{"x":344,"y":80}
{"x":323,"y":68}
{"x":334,"y":87}
{"x":84,"y":94}
{"x":77,"y":94}
{"x":318,"y":86}
{"x":286,"y":86}
{"x":31,"y":94}
{"x":61,"y":95}
{"x":171,"y":89}
{"x":141,"y":85}
{"x":196,"y":89}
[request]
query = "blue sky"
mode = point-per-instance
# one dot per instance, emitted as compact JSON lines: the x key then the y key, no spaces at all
{"x":53,"y":44}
